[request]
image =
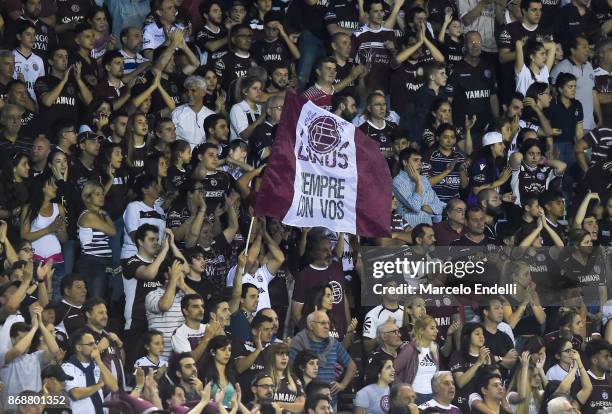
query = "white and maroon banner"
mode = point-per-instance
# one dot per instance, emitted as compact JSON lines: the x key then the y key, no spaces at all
{"x":324,"y":172}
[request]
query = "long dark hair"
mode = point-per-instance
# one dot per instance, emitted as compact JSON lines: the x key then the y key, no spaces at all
{"x":466,"y":336}
{"x":37,"y":195}
{"x":208,"y":368}
{"x":374,"y":369}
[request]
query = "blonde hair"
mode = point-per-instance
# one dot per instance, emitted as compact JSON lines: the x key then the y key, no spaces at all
{"x":421,"y":324}
{"x":88,"y":190}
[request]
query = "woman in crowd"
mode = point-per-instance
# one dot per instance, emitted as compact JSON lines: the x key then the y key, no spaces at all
{"x":466,"y":361}
{"x":152,"y":354}
{"x":306,"y":366}
{"x":246,"y":115}
{"x":522,"y":310}
{"x":156,"y":165}
{"x":380,"y":374}
{"x":135,"y":139}
{"x":164,"y":136}
{"x":95,"y":229}
{"x":103,"y":40}
{"x":408,"y":365}
{"x":288,"y":393}
{"x":217,"y":366}
{"x":43,"y":223}
{"x":14,"y":195}
{"x":568,"y":366}
{"x":533,"y":63}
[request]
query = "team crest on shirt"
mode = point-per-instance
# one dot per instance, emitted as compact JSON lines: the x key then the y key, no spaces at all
{"x":604,"y":395}
{"x":35,"y":66}
{"x":597,"y":268}
{"x":43,"y":29}
{"x":336,"y":292}
{"x":448,"y":10}
{"x":75,"y":8}
{"x":384,"y":403}
{"x":540,"y":176}
{"x":70,"y":90}
{"x":213,"y":182}
{"x":487,"y":73}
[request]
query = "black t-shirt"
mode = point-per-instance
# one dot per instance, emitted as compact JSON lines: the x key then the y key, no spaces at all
{"x":344,"y":71}
{"x":207,"y":35}
{"x":268,"y":54}
{"x":405,"y":82}
{"x":71,"y":317}
{"x":216,"y":187}
{"x":66,"y":107}
{"x":89,"y":70}
{"x":231,"y":67}
{"x":116,"y":199}
{"x":242,"y":349}
{"x":472,"y":88}
{"x":137,"y":290}
{"x":499,"y":343}
{"x":300,"y":17}
{"x":589,"y":276}
{"x":572,"y":24}
{"x":71,"y":11}
{"x":383,"y":136}
{"x":460,"y":363}
{"x":217,"y":263}
{"x":79,"y":174}
{"x":600,"y":396}
{"x":176,"y":177}
{"x":171,"y":84}
{"x":344,"y":13}
{"x":262,"y":137}
{"x":453,"y":52}
{"x":69,"y":196}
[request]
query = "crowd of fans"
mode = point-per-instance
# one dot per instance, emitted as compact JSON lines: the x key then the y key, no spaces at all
{"x":134,"y":137}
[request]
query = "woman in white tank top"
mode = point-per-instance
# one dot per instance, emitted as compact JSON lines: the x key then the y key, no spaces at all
{"x":43,"y":224}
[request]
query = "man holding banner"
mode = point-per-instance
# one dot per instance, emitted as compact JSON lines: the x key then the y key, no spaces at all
{"x":324,"y":172}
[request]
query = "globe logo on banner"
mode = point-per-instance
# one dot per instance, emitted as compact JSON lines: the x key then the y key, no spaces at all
{"x":323,"y":136}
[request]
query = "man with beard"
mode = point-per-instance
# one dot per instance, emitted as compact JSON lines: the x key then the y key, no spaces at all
{"x":45,"y":35}
{"x":112,"y":88}
{"x":475,"y":229}
{"x":109,"y":344}
{"x":134,"y":63}
{"x":213,"y":36}
{"x":491,"y":203}
{"x":263,"y":137}
{"x":344,"y":106}
{"x":279,"y":78}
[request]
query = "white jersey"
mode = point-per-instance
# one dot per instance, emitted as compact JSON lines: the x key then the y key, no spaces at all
{"x":378,"y":316}
{"x":261,"y":279}
{"x":32,"y":67}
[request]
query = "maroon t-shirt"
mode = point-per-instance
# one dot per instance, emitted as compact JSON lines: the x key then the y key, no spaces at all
{"x":310,"y":277}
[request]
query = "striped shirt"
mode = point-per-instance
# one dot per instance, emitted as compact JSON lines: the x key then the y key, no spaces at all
{"x":450,"y":185}
{"x":130,"y":63}
{"x":94,"y":242}
{"x":337,"y":355}
{"x":165,"y":322}
{"x":600,"y":140}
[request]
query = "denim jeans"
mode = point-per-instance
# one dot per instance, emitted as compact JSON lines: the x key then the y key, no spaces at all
{"x":115,"y":242}
{"x":93,"y":270}
{"x":59,"y":271}
{"x":311,"y":50}
{"x":69,"y":249}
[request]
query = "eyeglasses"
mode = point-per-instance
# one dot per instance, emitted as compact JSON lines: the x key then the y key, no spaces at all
{"x":324,"y":323}
{"x":27,"y":250}
{"x":394,"y":332}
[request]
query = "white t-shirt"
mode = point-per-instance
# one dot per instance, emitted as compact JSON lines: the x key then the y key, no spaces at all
{"x":186,"y":339}
{"x":32,"y":68}
{"x":22,"y":373}
{"x":525,"y":78}
{"x":378,"y":316}
{"x":189,"y":125}
{"x":483,"y":24}
{"x":556,"y":373}
{"x":426,"y":370}
{"x":145,"y":362}
{"x":153,"y":35}
{"x":84,"y":405}
{"x":136,"y":214}
{"x":261,"y":279}
{"x":241,"y":116}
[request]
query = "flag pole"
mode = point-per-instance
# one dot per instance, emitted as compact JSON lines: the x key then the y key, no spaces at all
{"x":246,"y":247}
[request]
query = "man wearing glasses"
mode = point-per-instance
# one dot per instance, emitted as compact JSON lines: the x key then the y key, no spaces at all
{"x":263,"y":389}
{"x":330,"y":352}
{"x":238,"y":60}
{"x":90,"y":376}
{"x":387,"y":314}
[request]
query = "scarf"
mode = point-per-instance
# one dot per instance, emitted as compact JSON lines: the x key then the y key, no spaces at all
{"x":90,"y":379}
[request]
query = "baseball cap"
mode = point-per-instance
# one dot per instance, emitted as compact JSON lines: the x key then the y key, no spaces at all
{"x":55,"y":371}
{"x":86,"y":135}
{"x":491,"y":138}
